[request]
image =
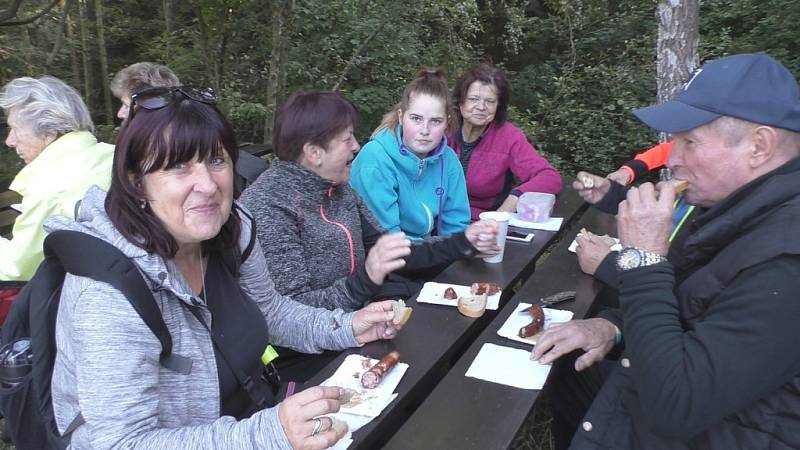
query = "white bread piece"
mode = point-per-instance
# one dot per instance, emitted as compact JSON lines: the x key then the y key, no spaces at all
{"x":473,"y":306}
{"x":401,"y":313}
{"x":339,"y":426}
{"x":679,"y":185}
{"x":587,"y":181}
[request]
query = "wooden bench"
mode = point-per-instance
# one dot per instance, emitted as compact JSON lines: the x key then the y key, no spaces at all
{"x":468,"y":413}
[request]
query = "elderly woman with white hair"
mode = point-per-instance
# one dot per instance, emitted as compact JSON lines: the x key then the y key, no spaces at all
{"x":51,"y":130}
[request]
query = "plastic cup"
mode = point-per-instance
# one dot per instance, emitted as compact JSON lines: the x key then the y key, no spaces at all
{"x":502,"y":228}
{"x":535,"y":206}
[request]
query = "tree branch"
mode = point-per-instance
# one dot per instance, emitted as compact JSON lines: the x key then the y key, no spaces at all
{"x":29,"y":19}
{"x":356,"y":54}
{"x":11,"y":12}
{"x":59,"y":37}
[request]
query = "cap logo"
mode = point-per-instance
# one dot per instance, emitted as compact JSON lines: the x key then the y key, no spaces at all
{"x":689,"y":83}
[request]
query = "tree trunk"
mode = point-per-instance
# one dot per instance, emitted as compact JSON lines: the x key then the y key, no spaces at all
{"x":169,"y":7}
{"x":208,"y":54}
{"x":222,"y":48}
{"x":85,"y":55}
{"x":289,"y":13}
{"x":275,"y":67}
{"x":101,"y":45}
{"x":678,"y":39}
{"x":27,"y":49}
{"x":73,"y":55}
{"x":59,"y":40}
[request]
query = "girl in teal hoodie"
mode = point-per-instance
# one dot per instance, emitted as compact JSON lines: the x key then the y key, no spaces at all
{"x":407,"y":175}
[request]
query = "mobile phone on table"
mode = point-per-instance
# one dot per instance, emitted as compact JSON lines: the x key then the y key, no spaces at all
{"x":519,"y":236}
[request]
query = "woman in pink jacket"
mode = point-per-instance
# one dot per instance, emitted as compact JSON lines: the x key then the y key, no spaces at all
{"x":499,"y":162}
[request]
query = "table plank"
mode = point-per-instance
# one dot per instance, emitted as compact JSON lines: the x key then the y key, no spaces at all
{"x":468,"y":413}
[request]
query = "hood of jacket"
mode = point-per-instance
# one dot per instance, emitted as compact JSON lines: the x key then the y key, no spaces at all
{"x":412,"y":166}
{"x":92,"y":219}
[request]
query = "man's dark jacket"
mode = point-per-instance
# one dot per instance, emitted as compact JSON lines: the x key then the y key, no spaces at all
{"x":712,"y":362}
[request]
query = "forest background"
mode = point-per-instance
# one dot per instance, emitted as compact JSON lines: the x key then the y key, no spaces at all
{"x":577,"y":67}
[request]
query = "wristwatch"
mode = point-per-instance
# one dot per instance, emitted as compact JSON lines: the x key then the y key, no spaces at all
{"x":632,"y":257}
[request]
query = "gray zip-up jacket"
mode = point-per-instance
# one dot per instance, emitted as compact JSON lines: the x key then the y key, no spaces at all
{"x":107,"y":363}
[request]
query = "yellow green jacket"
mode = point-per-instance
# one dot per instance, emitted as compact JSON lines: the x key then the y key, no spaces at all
{"x":51,"y":185}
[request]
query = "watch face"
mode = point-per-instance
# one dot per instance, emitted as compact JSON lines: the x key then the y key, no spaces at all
{"x":629,"y":258}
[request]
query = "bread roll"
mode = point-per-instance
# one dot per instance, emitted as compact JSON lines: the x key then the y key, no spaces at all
{"x":401,"y":313}
{"x":473,"y":306}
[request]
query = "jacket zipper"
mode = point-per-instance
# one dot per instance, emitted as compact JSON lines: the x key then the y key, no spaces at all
{"x":344,"y":228}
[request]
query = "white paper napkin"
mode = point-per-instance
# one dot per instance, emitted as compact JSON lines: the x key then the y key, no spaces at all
{"x":367,"y":402}
{"x":433,"y":292}
{"x":518,"y":320}
{"x":354,"y":423}
{"x":552,"y":224}
{"x":509,"y":366}
{"x":615,"y":248}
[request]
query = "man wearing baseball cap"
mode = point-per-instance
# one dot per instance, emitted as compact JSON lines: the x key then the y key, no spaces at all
{"x":708,"y":342}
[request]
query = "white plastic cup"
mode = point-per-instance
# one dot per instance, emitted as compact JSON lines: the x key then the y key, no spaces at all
{"x":502,"y":228}
{"x":535,"y":206}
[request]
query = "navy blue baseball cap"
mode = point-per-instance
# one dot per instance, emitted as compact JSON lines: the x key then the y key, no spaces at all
{"x":753,"y":87}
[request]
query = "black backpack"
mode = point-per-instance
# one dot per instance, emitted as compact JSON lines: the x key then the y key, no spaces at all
{"x":27,"y":406}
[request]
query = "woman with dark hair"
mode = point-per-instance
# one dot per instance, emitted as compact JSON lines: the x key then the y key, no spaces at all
{"x":499,"y":162}
{"x":170,"y":209}
{"x":407,"y":174}
{"x":324,"y":246}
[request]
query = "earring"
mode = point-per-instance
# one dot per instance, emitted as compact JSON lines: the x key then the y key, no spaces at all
{"x":142,"y":203}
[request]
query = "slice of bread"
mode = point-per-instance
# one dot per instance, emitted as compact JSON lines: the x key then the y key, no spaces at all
{"x":473,"y":306}
{"x":401,"y":313}
{"x":339,"y":426}
{"x":679,"y":185}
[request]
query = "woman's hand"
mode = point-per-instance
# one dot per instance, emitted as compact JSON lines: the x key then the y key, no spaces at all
{"x":374,"y":322}
{"x":387,"y":256}
{"x":591,"y":188}
{"x":509,"y":204}
{"x":483,"y":236}
{"x":591,"y":251}
{"x":297,"y":414}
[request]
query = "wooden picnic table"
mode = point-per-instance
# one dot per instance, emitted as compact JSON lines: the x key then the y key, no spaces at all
{"x":436,"y":336}
{"x":467,"y":413}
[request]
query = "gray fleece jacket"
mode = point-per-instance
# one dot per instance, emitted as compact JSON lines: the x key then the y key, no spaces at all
{"x":107,"y":363}
{"x":316,"y":235}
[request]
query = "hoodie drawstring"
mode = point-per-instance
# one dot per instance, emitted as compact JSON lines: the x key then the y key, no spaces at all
{"x":440,"y":193}
{"x":344,"y":228}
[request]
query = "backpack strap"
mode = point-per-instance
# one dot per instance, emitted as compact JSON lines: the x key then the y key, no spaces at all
{"x":252,"y":242}
{"x":244,"y":380}
{"x":108,"y":264}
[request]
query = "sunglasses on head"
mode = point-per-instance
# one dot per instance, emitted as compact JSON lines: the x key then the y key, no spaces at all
{"x":159,"y":97}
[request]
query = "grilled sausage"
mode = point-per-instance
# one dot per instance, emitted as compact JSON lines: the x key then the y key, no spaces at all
{"x":374,"y":375}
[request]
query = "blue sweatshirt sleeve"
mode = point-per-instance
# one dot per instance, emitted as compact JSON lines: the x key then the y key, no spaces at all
{"x":376,"y":184}
{"x":455,"y":211}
